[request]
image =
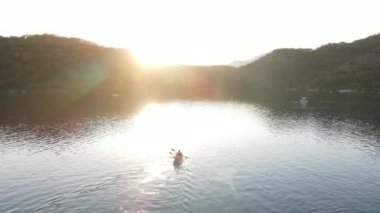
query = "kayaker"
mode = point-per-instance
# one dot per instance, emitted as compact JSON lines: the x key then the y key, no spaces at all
{"x":178,"y":154}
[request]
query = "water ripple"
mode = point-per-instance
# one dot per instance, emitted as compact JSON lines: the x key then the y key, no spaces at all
{"x":243,"y":158}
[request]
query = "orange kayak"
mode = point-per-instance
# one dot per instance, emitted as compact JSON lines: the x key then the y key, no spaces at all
{"x":178,"y":160}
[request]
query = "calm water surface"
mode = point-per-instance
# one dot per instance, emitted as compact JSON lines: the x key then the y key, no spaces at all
{"x":241,"y":158}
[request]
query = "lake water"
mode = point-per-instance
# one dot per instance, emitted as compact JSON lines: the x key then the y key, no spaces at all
{"x":241,"y":158}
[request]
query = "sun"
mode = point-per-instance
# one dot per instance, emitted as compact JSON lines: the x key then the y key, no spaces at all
{"x":152,"y":58}
{"x":160,"y":53}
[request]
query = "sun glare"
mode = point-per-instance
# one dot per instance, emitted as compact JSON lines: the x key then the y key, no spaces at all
{"x":152,"y":58}
{"x":195,"y":32}
{"x":159,"y":127}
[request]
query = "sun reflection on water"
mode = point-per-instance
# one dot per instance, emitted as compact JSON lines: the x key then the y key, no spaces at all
{"x":147,"y":139}
{"x":158,"y":128}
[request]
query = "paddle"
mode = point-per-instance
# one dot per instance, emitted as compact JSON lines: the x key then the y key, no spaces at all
{"x":171,"y":153}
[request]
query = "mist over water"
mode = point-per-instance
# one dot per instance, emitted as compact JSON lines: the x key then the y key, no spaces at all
{"x":242,"y":157}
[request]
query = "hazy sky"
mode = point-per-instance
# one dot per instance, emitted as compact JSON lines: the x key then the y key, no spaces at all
{"x":195,"y":31}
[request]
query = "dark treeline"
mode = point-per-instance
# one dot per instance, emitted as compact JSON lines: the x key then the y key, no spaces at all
{"x":51,"y":63}
{"x":48,"y":62}
{"x":354,"y":66}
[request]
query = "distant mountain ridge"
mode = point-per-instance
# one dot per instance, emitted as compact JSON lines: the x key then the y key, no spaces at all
{"x":240,"y":63}
{"x":353,"y":65}
{"x":49,"y":62}
{"x":46,"y":62}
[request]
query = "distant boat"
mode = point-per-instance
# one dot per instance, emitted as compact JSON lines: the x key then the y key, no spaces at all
{"x":303,"y":101}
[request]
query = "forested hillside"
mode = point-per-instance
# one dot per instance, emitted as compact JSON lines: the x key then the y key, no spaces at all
{"x":354,"y":66}
{"x":48,"y":62}
{"x":53,"y":63}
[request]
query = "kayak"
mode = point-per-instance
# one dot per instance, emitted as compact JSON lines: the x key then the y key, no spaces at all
{"x":177,"y":160}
